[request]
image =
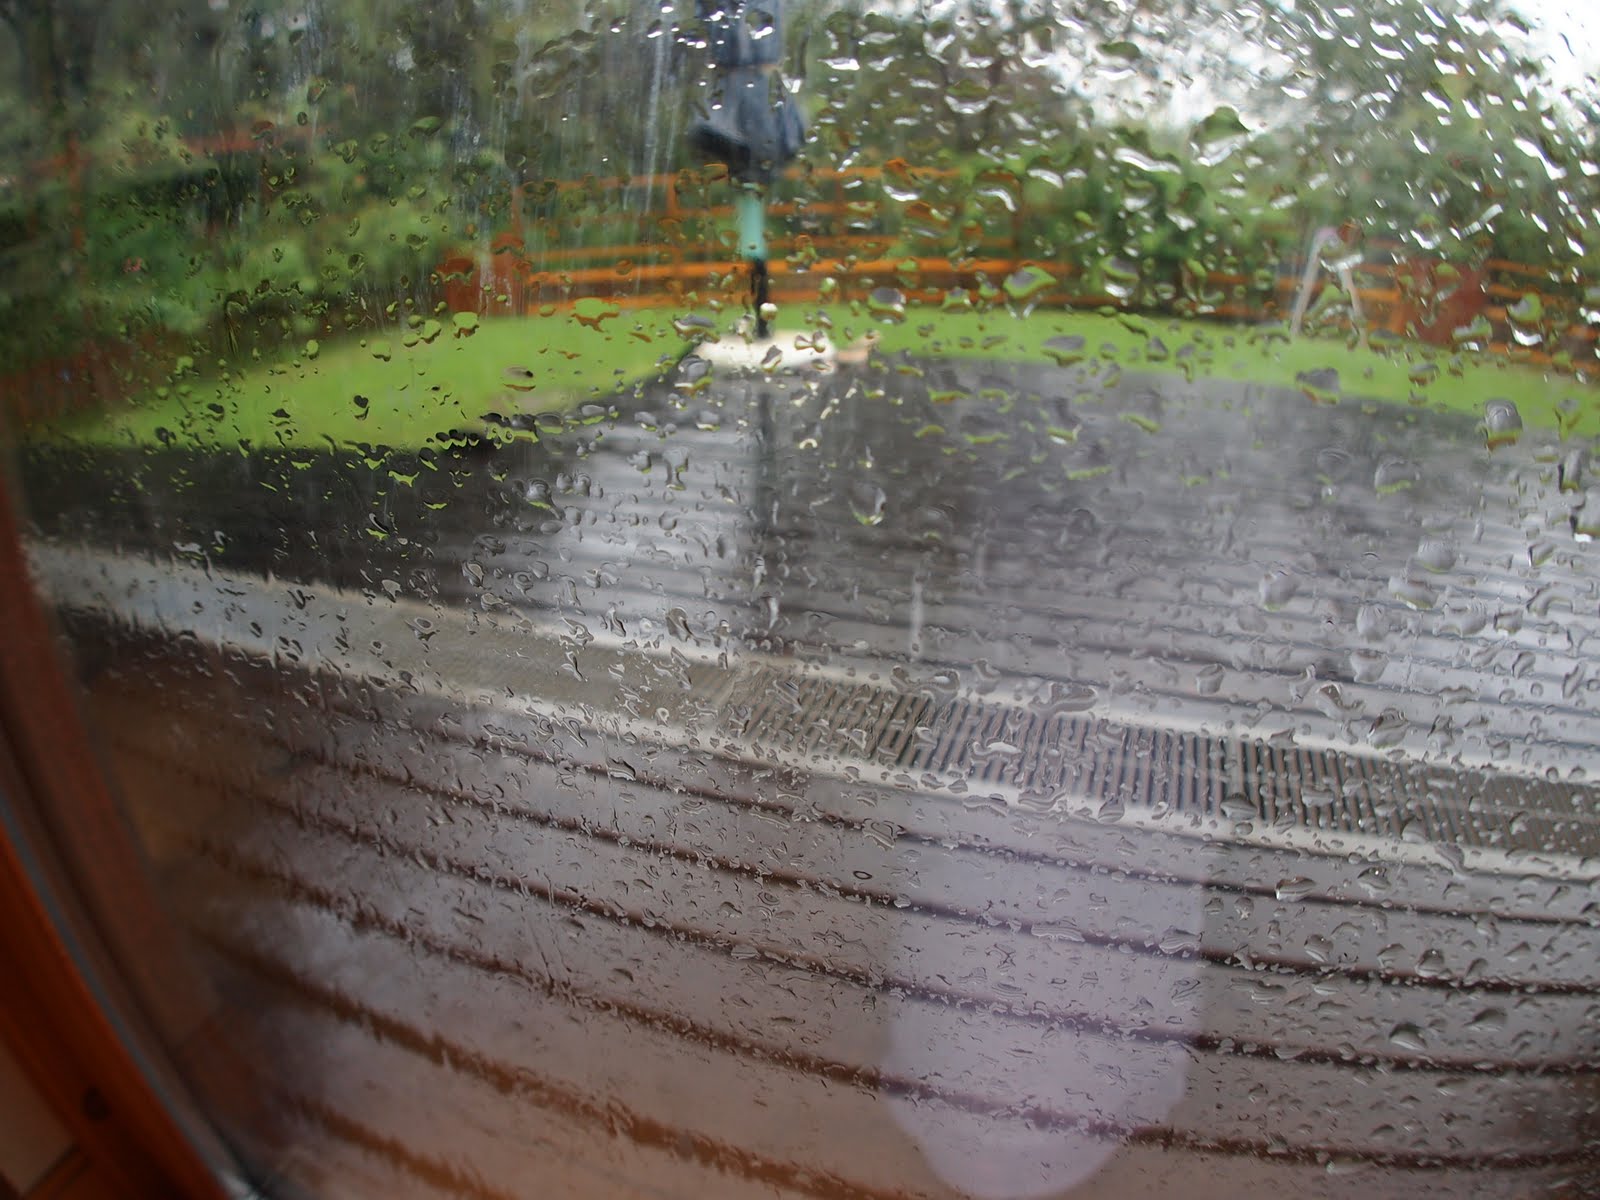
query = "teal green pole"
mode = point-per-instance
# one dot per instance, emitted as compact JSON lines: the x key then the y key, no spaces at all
{"x":750,"y":205}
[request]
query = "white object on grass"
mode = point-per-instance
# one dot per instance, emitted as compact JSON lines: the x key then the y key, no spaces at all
{"x":779,"y":353}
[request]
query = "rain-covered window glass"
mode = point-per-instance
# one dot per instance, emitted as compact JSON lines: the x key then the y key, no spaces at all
{"x":811,"y":598}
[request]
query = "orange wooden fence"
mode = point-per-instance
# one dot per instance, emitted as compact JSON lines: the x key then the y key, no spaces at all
{"x":1403,"y":297}
{"x":830,"y":235}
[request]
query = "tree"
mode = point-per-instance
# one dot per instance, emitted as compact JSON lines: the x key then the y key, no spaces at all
{"x":55,"y":49}
{"x":1428,"y":123}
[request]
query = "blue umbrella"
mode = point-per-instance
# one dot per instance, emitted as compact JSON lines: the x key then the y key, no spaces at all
{"x":754,"y":126}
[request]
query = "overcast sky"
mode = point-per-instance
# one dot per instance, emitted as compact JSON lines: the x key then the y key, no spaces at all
{"x":1568,"y":33}
{"x":1179,"y":79}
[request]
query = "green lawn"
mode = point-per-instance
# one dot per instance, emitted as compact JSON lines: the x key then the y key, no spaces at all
{"x":1406,"y":373}
{"x":400,"y":390}
{"x":406,"y":389}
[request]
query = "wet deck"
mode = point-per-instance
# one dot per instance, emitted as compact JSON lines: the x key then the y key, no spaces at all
{"x":958,"y":780}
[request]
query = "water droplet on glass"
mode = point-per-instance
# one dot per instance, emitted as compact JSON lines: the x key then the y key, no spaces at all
{"x":1431,"y":965}
{"x":1408,"y":1037}
{"x":695,"y":326}
{"x":1527,"y":311}
{"x":1437,"y":554}
{"x":1025,"y":286}
{"x":1490,"y":1020}
{"x":1394,"y":475}
{"x":678,"y":624}
{"x":1318,"y":948}
{"x":1236,"y":806}
{"x":1296,"y":888}
{"x":1372,"y":623}
{"x":1278,"y":587}
{"x":1218,"y":135}
{"x":1368,"y":666}
{"x":1412,"y":592}
{"x":1064,"y":350}
{"x":1320,"y":384}
{"x":888,"y":305}
{"x":1315,"y":797}
{"x":867,"y":501}
{"x":1502,"y":423}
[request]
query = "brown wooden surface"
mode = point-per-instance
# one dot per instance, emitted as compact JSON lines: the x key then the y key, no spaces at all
{"x":50,"y":1016}
{"x":77,"y":1177}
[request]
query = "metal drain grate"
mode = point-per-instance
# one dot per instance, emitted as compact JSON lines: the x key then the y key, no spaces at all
{"x":1097,"y":762}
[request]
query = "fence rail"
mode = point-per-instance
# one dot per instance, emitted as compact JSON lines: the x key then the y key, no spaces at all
{"x":844,"y":226}
{"x":829,"y":235}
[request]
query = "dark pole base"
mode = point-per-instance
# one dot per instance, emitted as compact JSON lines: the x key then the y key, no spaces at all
{"x":759,"y":294}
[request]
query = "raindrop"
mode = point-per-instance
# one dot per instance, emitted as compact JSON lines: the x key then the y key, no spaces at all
{"x":1368,"y":666}
{"x":1025,"y":286}
{"x":1436,"y":554}
{"x":1333,"y":463}
{"x":1388,"y":728}
{"x":1527,"y":311}
{"x":888,"y":305}
{"x":1413,"y":593}
{"x":1236,"y":806}
{"x":1569,"y":475}
{"x":1065,"y":350}
{"x":1180,"y":941}
{"x":1585,"y":517}
{"x":1502,"y":423}
{"x":1278,"y":587}
{"x":1121,"y":277}
{"x":695,"y":326}
{"x":519,"y":379}
{"x":1321,"y":384}
{"x":1490,"y":1020}
{"x":678,"y":624}
{"x":867,"y":501}
{"x":1121,"y":51}
{"x":1372,"y":623}
{"x":1431,"y":965}
{"x":1408,"y":1037}
{"x":1315,"y":797}
{"x":1296,"y":888}
{"x":1319,"y":949}
{"x":1394,"y":475}
{"x":1218,"y":135}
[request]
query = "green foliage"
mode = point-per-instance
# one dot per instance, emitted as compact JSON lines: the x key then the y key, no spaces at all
{"x":158,"y":243}
{"x":280,"y":168}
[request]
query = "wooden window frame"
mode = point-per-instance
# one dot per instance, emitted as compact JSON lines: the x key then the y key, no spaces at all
{"x":67,"y":1010}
